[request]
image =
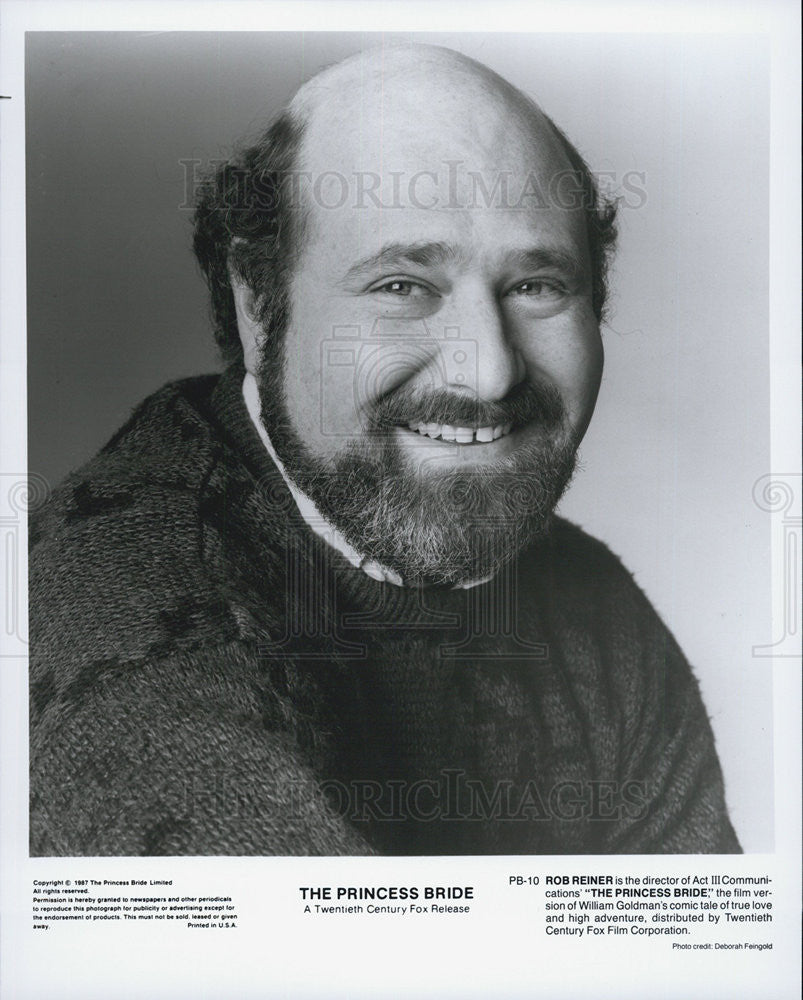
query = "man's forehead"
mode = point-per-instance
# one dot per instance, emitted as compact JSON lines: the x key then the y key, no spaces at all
{"x":448,"y":216}
{"x":351,"y":245}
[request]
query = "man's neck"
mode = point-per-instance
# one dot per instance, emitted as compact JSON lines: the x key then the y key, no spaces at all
{"x":310,"y":513}
{"x":306,"y":507}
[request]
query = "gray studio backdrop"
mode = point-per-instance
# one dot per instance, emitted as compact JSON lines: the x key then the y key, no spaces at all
{"x":678,"y":124}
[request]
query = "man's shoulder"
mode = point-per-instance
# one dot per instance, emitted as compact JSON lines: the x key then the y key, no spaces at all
{"x":173,"y":423}
{"x":574,"y":553}
{"x":587,"y":588}
{"x":160,"y":456}
{"x":116,"y":552}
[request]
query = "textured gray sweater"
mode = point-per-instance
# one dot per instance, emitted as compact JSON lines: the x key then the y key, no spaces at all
{"x":209,"y":677}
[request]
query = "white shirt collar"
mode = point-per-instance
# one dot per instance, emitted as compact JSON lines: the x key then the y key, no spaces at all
{"x":313,"y":517}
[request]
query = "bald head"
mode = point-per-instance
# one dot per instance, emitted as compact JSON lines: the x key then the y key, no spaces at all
{"x":405,"y":108}
{"x":411,"y":78}
{"x":406,"y":125}
{"x":406,"y":62}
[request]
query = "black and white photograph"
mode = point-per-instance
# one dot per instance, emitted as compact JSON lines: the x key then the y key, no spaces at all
{"x":321,"y":602}
{"x":403,"y":478}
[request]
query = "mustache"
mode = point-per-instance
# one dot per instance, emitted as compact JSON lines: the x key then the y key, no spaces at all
{"x":526,"y":402}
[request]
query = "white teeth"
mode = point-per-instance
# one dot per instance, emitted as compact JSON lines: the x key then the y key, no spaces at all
{"x":462,"y":435}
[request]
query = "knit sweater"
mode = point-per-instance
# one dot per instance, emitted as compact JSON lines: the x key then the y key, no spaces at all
{"x":209,"y":677}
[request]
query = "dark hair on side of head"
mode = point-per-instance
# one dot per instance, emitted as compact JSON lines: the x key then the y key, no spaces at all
{"x":246,"y":224}
{"x":600,"y":212}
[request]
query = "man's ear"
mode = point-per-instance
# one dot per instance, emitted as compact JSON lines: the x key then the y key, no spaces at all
{"x":251,"y":332}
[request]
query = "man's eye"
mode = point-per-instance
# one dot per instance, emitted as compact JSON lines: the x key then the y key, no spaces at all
{"x":537,"y":288}
{"x":403,"y":289}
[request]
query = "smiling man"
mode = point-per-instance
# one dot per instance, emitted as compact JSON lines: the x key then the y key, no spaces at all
{"x":321,"y":604}
{"x":463,"y":299}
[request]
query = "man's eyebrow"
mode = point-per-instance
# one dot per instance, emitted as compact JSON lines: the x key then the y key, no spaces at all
{"x":436,"y":253}
{"x":396,"y":254}
{"x":549,"y":258}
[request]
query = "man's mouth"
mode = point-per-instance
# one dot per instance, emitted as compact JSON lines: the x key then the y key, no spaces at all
{"x":461,"y":435}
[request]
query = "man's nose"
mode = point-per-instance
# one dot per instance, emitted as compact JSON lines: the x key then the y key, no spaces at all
{"x":477,"y":352}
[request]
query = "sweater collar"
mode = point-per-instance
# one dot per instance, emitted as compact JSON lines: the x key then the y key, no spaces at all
{"x":313,"y":517}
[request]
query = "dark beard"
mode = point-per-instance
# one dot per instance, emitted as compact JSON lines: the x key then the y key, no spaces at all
{"x":433,"y":528}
